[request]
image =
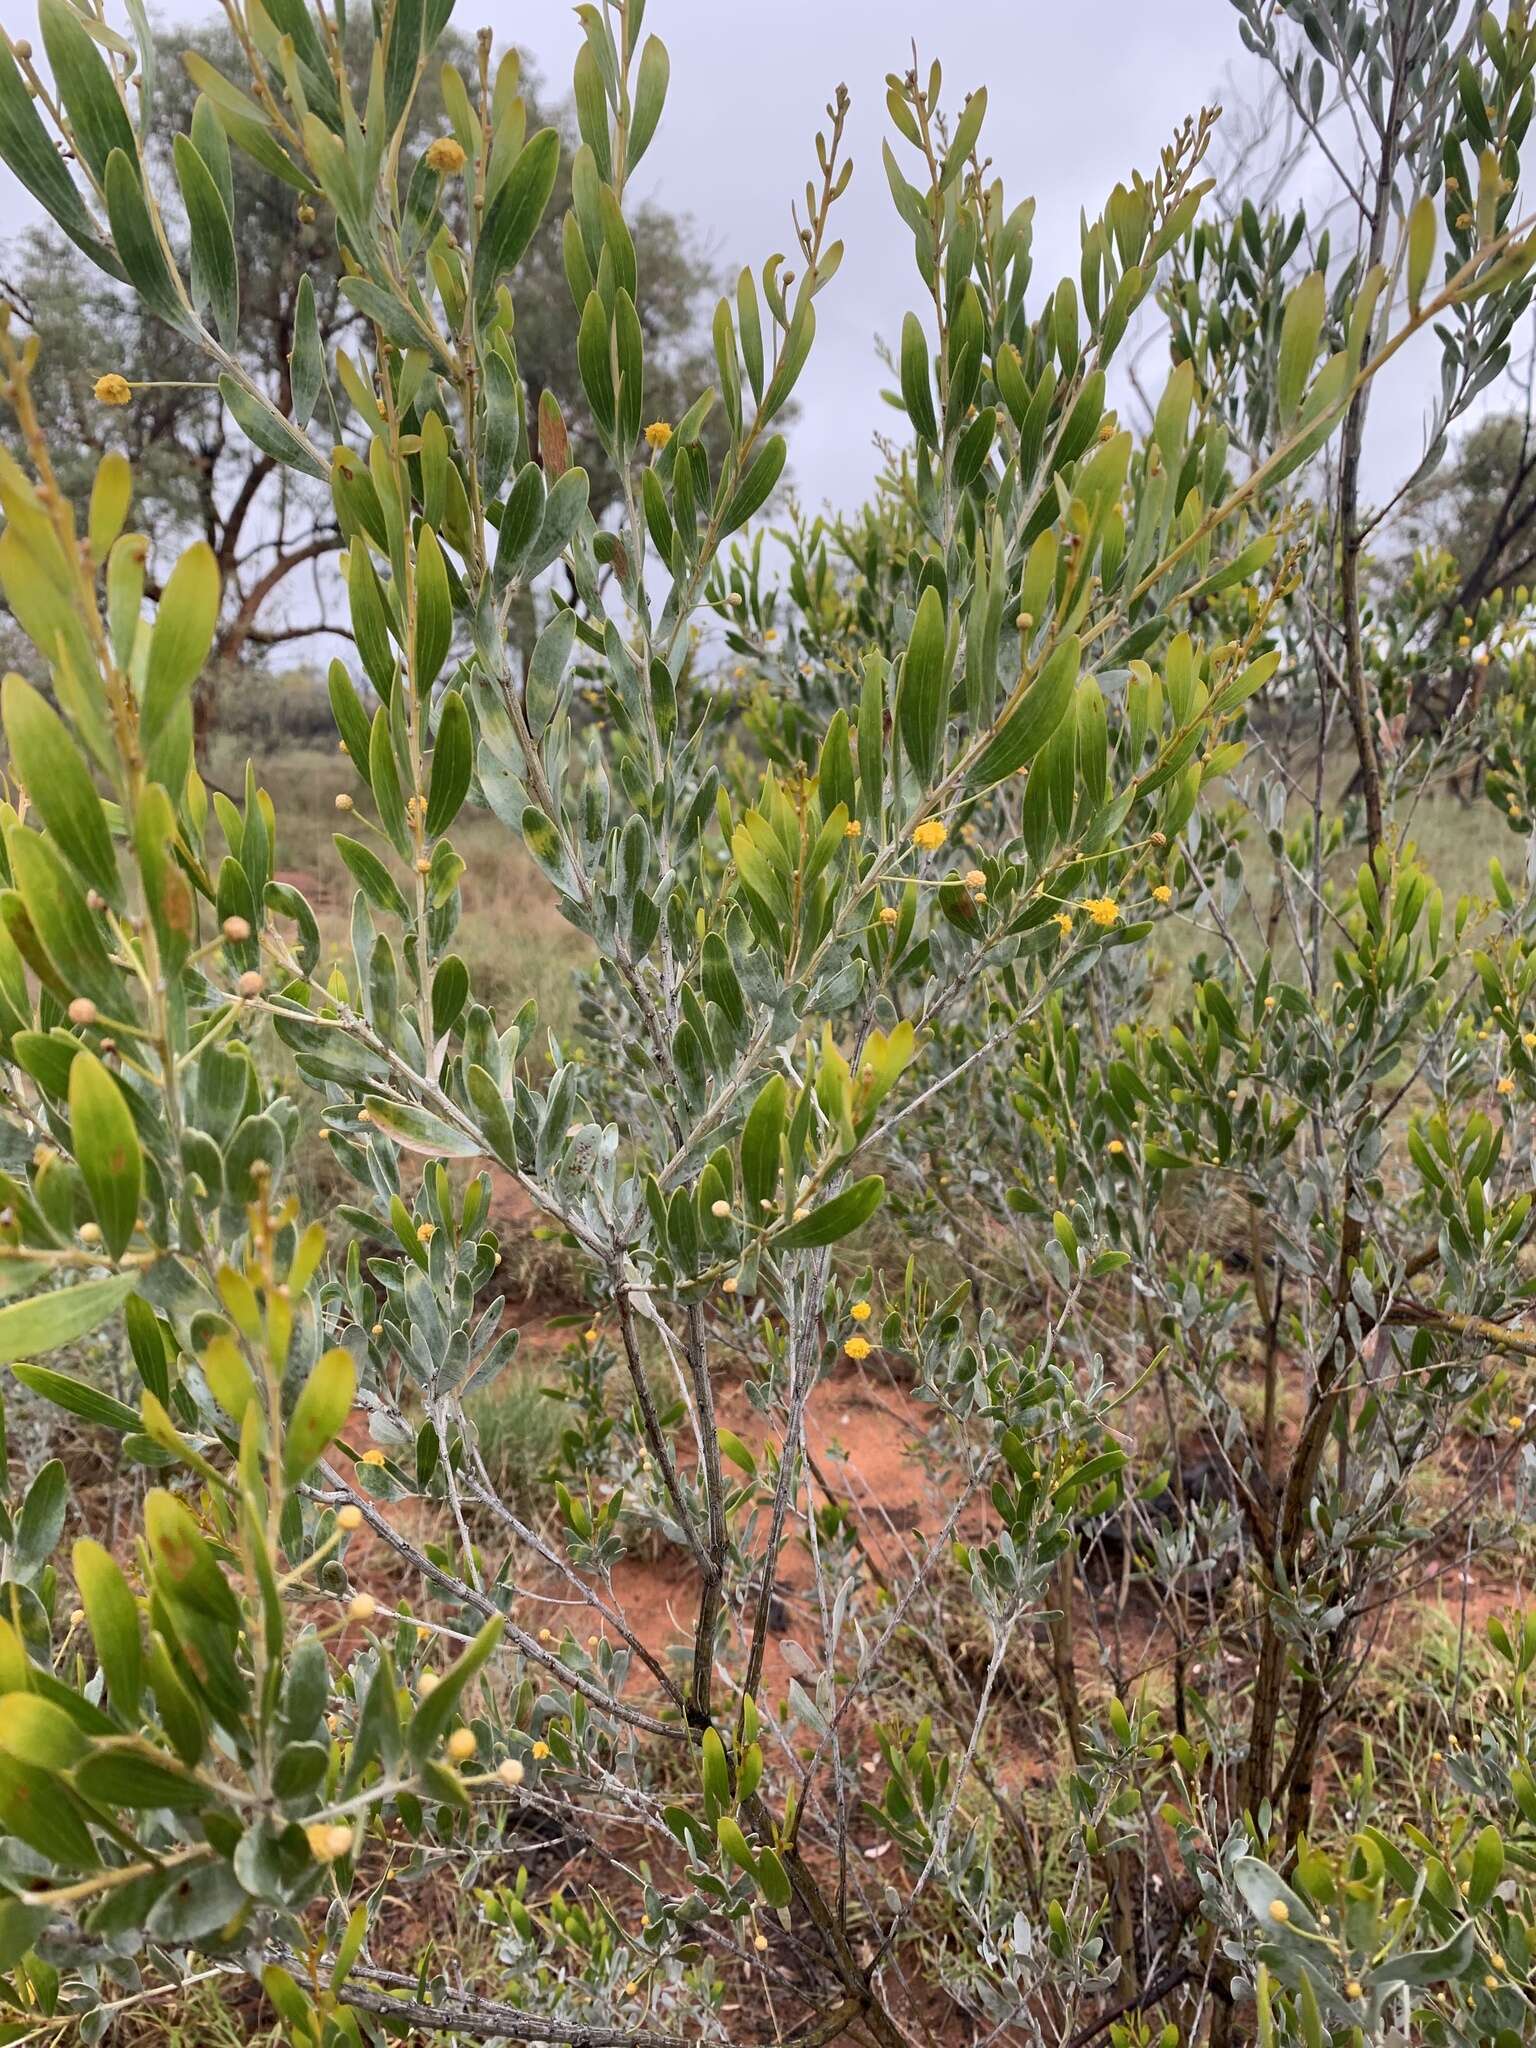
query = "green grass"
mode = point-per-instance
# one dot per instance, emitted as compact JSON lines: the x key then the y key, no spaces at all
{"x":519,"y":1429}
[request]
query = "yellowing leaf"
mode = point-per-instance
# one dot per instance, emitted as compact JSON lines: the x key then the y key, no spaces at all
{"x":322,"y":1407}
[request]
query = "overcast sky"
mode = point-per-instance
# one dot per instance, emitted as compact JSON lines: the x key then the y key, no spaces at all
{"x":1078,"y":96}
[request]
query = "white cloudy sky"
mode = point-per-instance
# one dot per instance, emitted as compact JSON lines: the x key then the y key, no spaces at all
{"x":1079,"y":94}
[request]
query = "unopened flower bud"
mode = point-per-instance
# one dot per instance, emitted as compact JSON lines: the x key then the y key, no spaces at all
{"x":82,"y":1011}
{"x":349,"y":1518}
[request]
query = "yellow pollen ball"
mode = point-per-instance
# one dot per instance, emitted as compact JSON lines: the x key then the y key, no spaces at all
{"x":860,"y":1311}
{"x":445,"y":155}
{"x":373,"y":1457}
{"x":858,"y":1348}
{"x":1354,"y":1988}
{"x":510,"y":1771}
{"x":113,"y":389}
{"x":888,"y":915}
{"x":930,"y":835}
{"x":328,"y":1843}
{"x":349,"y":1518}
{"x":539,"y":1751}
{"x":975,"y":879}
{"x":460,"y":1745}
{"x":428,"y":1682}
{"x":658,"y":434}
{"x":1279,"y":1910}
{"x":1102,"y":909}
{"x":1162,"y":893}
{"x":760,"y":1942}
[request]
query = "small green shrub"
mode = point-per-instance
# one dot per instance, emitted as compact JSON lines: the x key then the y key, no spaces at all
{"x":871,"y":936}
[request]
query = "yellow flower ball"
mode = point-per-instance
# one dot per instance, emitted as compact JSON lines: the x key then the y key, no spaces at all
{"x":1162,"y":893}
{"x":349,"y":1518}
{"x":658,"y":434}
{"x":860,"y":1311}
{"x":460,"y":1745}
{"x":930,"y":835}
{"x":857,"y":1348}
{"x":113,"y":389}
{"x":1102,"y":909}
{"x":446,"y":154}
